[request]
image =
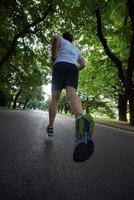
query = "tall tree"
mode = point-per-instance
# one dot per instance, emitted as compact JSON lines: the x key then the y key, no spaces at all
{"x":125,"y":79}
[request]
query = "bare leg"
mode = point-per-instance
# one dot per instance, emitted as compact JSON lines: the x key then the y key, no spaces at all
{"x":73,"y":100}
{"x":53,"y":107}
{"x":84,"y":146}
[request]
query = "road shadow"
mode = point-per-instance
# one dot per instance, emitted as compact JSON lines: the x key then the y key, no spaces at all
{"x":48,"y":149}
{"x":49,"y":144}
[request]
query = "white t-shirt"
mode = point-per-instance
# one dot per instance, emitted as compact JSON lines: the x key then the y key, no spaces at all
{"x":67,"y":52}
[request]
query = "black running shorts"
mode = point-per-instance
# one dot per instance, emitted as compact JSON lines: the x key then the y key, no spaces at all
{"x":64,"y":74}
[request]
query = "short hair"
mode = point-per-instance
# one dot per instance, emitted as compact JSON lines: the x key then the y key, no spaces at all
{"x":68,"y":36}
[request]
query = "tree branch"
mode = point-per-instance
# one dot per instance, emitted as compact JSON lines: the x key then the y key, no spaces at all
{"x":21,"y":34}
{"x":108,"y":52}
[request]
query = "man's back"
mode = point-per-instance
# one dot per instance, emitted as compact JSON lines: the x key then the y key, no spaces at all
{"x":67,"y":52}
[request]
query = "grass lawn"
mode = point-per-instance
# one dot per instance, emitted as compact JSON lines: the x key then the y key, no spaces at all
{"x":111,"y":122}
{"x":115,"y":123}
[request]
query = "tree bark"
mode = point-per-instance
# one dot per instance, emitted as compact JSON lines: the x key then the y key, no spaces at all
{"x":16,"y":98}
{"x":24,"y":107}
{"x":122,"y":107}
{"x":131,"y":108}
{"x":87,"y":107}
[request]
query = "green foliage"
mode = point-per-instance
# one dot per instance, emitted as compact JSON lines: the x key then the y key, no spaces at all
{"x":30,"y":67}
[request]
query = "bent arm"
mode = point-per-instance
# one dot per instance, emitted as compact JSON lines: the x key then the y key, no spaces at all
{"x":81,"y":64}
{"x":55,"y":46}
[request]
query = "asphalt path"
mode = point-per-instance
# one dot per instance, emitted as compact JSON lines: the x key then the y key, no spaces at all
{"x":35,"y":167}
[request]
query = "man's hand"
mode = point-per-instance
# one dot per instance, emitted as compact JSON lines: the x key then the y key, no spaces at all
{"x":81,"y":64}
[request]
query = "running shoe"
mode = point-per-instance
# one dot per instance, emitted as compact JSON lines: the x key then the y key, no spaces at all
{"x":84,"y":146}
{"x":50,"y":131}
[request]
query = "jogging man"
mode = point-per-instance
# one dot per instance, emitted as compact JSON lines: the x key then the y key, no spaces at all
{"x":65,"y":57}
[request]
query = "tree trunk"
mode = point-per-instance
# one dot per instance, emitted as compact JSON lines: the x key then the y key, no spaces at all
{"x":87,"y":109}
{"x":130,"y":68}
{"x":9,"y":105}
{"x":24,"y":107}
{"x":122,"y":107}
{"x":131,"y":109}
{"x":16,"y":98}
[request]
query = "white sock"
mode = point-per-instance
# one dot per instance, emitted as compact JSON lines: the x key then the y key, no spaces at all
{"x":79,"y":116}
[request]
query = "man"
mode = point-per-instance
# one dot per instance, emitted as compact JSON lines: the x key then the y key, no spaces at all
{"x":65,"y":57}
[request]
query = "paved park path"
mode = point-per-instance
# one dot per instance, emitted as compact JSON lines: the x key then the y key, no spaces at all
{"x":35,"y":167}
